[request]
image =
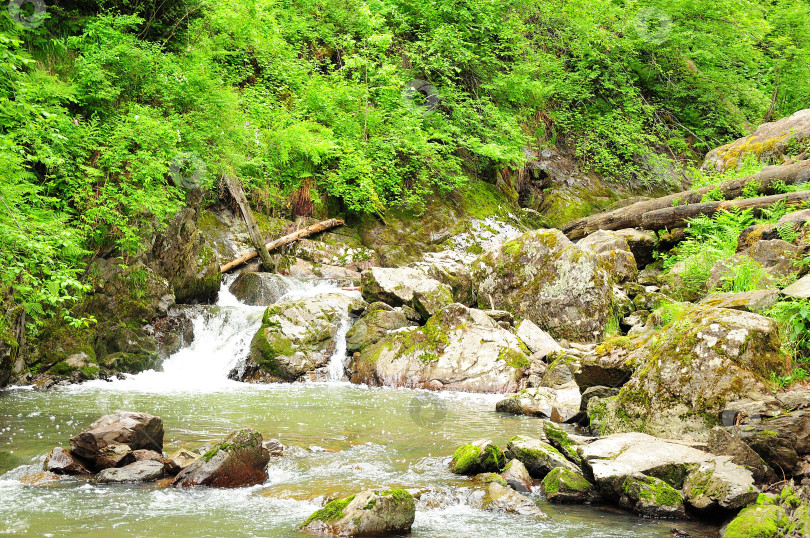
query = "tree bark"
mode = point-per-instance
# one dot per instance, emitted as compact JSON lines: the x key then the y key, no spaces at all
{"x":295,"y":236}
{"x":676,"y":216}
{"x":235,"y":187}
{"x":631,"y":216}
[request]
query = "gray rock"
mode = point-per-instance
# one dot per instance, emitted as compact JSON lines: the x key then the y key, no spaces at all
{"x":596,"y":392}
{"x":179,"y":460}
{"x":503,"y":499}
{"x":298,"y":336}
{"x":261,"y":289}
{"x":724,"y":443}
{"x":517,"y":476}
{"x":544,"y":277}
{"x":780,"y":441}
{"x":539,"y":342}
{"x":140,"y":471}
{"x":642,"y":244}
{"x":799,"y":289}
{"x":61,"y":461}
{"x":538,"y":457}
{"x":749,"y":301}
{"x":720,"y":484}
{"x":614,"y":254}
{"x":374,"y":326}
{"x":565,"y":486}
{"x":459,"y":349}
{"x":406,"y":286}
{"x":369,"y":513}
{"x":559,"y":405}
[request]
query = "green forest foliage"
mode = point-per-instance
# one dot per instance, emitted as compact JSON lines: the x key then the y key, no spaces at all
{"x":306,"y":96}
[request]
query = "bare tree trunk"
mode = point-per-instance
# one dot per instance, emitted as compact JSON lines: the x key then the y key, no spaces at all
{"x":235,"y":187}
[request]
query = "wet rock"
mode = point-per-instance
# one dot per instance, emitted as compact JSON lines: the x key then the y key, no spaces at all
{"x":140,"y":471}
{"x":239,"y":460}
{"x":565,"y":486}
{"x":559,"y":405}
{"x":405,"y":286}
{"x":98,"y":443}
{"x":517,"y":476}
{"x":762,"y":519}
{"x":40,"y":479}
{"x":459,"y":349}
{"x":544,"y":277}
{"x":482,"y":456}
{"x":566,"y":443}
{"x":539,"y":342}
{"x":274,"y":447}
{"x":369,"y":513}
{"x":651,"y":497}
{"x":500,"y":498}
{"x":61,"y":461}
{"x":260,"y":289}
{"x":538,"y":457}
{"x":179,"y":460}
{"x":374,"y":325}
{"x":307,"y":270}
{"x":769,"y":142}
{"x":719,"y":484}
{"x":113,"y":455}
{"x":724,"y":443}
{"x":749,"y":301}
{"x":298,"y":336}
{"x":610,"y":460}
{"x":799,"y":289}
{"x":702,"y":360}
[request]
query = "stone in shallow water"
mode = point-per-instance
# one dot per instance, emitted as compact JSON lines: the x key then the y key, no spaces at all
{"x":651,"y":497}
{"x":565,"y":486}
{"x":369,"y":513}
{"x":140,"y":471}
{"x":61,"y":461}
{"x":179,"y":460}
{"x":500,"y":498}
{"x":239,"y":460}
{"x":517,"y":476}
{"x":135,"y":430}
{"x":538,"y":457}
{"x":482,"y":456}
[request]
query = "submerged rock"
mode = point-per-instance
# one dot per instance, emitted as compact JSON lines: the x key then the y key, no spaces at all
{"x":483,"y":456}
{"x":116,"y":435}
{"x":563,"y":485}
{"x":459,"y":349}
{"x":500,"y":498}
{"x":544,"y":277}
{"x":140,"y":471}
{"x":297,"y":337}
{"x":369,"y":513}
{"x":239,"y":460}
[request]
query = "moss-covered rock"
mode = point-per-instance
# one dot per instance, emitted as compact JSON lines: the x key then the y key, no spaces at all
{"x":483,"y":456}
{"x":368,"y":513}
{"x":538,"y":457}
{"x":757,"y":521}
{"x":458,"y":348}
{"x":651,"y":497}
{"x":690,"y":369}
{"x":544,"y":277}
{"x":374,"y":325}
{"x":238,"y":460}
{"x":405,"y":286}
{"x":500,"y":498}
{"x":566,"y":486}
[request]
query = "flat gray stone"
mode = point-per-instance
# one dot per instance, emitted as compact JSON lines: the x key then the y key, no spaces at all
{"x":539,"y":342}
{"x":799,"y":289}
{"x":749,"y":301}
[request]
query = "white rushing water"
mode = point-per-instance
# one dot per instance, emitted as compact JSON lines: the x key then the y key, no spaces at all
{"x":222,"y":336}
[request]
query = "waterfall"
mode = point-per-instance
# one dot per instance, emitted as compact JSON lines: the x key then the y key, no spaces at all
{"x":336,"y":361}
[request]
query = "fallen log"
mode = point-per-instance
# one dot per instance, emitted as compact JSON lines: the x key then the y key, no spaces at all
{"x":235,"y":187}
{"x":280,"y":242}
{"x":671,"y":217}
{"x":631,"y":216}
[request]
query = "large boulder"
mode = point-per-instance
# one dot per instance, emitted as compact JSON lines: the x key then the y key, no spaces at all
{"x":517,"y":476}
{"x":560,"y":404}
{"x":139,"y":471}
{"x":781,"y":441}
{"x":452,"y":269}
{"x":369,"y":513}
{"x":482,"y":456}
{"x":113,"y":435}
{"x":544,"y":277}
{"x":459,"y":349}
{"x":376,"y":322}
{"x":651,"y":497}
{"x":613,"y":252}
{"x":298,"y":336}
{"x":690,"y":369}
{"x":539,"y":342}
{"x":770,"y":142}
{"x":611,"y":460}
{"x":260,"y":289}
{"x":405,"y":286}
{"x":500,"y":498}
{"x":239,"y":460}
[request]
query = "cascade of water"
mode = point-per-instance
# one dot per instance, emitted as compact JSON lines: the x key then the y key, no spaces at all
{"x":336,"y":361}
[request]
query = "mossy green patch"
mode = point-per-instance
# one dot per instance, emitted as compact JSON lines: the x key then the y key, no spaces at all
{"x":330,"y":513}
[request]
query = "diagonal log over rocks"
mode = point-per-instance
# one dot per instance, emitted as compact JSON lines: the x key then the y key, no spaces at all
{"x":632,"y":215}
